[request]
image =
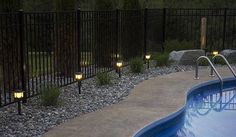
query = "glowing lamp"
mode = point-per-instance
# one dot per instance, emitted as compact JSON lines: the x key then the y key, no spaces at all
{"x":18,"y":94}
{"x":78,"y":76}
{"x":115,"y":55}
{"x":118,"y":55}
{"x":215,"y":53}
{"x":147,"y":57}
{"x":119,"y":64}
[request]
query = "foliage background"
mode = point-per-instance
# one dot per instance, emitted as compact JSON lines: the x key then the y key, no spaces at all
{"x":48,"y":5}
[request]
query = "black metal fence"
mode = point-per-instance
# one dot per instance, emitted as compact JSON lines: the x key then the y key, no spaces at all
{"x":41,"y":49}
{"x":185,"y":24}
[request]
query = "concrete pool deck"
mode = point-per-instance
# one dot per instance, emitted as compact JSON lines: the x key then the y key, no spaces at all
{"x":151,"y":100}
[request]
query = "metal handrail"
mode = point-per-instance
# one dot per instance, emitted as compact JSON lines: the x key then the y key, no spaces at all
{"x":226,"y":61}
{"x":212,"y":66}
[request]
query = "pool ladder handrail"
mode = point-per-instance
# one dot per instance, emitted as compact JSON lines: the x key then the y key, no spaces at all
{"x":212,"y":66}
{"x":226,"y":61}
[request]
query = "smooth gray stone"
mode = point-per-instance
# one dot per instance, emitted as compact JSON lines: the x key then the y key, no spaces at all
{"x":185,"y":57}
{"x":230,"y":55}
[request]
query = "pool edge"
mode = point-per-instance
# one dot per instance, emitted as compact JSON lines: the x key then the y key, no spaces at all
{"x":180,"y":110}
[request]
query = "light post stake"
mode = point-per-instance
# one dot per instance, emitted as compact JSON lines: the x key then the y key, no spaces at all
{"x":18,"y":97}
{"x":19,"y":107}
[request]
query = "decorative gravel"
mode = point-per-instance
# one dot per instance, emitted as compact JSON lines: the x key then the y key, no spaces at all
{"x":37,"y":119}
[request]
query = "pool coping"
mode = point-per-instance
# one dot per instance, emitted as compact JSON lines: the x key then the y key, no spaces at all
{"x":181,"y":109}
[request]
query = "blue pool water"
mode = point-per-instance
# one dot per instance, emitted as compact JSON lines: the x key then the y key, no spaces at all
{"x":212,"y":115}
{"x":209,"y":112}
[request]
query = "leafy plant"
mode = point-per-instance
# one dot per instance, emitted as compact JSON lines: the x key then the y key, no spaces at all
{"x":136,"y":65}
{"x":178,"y":45}
{"x":162,"y":59}
{"x":49,"y":96}
{"x":103,"y":79}
{"x":204,"y":62}
{"x":219,"y":61}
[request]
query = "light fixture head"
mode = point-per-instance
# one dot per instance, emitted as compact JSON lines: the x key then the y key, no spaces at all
{"x":147,"y":57}
{"x":119,"y":64}
{"x":18,"y":94}
{"x":78,"y":76}
{"x":215,"y":53}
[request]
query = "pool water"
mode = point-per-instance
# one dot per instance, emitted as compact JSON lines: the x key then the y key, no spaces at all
{"x":209,"y":112}
{"x":210,"y":115}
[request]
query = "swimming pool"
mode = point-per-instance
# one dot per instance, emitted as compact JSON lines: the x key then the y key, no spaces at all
{"x":209,"y":112}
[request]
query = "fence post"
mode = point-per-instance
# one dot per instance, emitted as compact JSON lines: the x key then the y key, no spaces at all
{"x":22,"y":53}
{"x":145,"y":31}
{"x":224,"y":28}
{"x":164,"y":29}
{"x":78,"y":38}
{"x":117,"y":38}
{"x":117,"y":33}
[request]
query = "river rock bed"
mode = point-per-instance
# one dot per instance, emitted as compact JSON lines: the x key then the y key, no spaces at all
{"x":37,"y":119}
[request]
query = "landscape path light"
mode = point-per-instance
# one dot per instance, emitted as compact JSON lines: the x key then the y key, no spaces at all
{"x":148,"y":57}
{"x":119,"y":64}
{"x":78,"y":78}
{"x":215,"y":53}
{"x":18,"y":97}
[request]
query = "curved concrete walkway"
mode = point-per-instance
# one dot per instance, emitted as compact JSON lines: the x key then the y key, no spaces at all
{"x":149,"y":101}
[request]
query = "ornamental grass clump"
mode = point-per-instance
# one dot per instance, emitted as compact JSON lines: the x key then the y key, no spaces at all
{"x":162,"y":59}
{"x":204,"y":62}
{"x":50,"y":96}
{"x":177,"y":45}
{"x":103,"y":79}
{"x":136,"y":65}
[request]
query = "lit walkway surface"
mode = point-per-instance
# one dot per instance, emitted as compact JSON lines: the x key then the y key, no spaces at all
{"x":151,"y":100}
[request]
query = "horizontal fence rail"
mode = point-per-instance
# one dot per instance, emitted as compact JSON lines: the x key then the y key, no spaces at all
{"x":44,"y":49}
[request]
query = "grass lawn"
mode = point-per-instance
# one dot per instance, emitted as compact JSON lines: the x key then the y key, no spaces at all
{"x":44,"y":63}
{"x":38,"y":65}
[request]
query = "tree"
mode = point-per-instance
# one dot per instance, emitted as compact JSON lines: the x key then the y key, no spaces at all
{"x":199,"y":3}
{"x":10,"y":5}
{"x":62,"y":5}
{"x":86,"y":4}
{"x":132,"y":4}
{"x":38,"y":5}
{"x":103,"y":4}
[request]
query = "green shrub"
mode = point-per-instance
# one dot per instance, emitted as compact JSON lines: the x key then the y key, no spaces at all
{"x":219,"y":61}
{"x":204,"y":62}
{"x":103,"y":79}
{"x":136,"y":65}
{"x":50,"y":96}
{"x":162,"y":59}
{"x":178,"y":45}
